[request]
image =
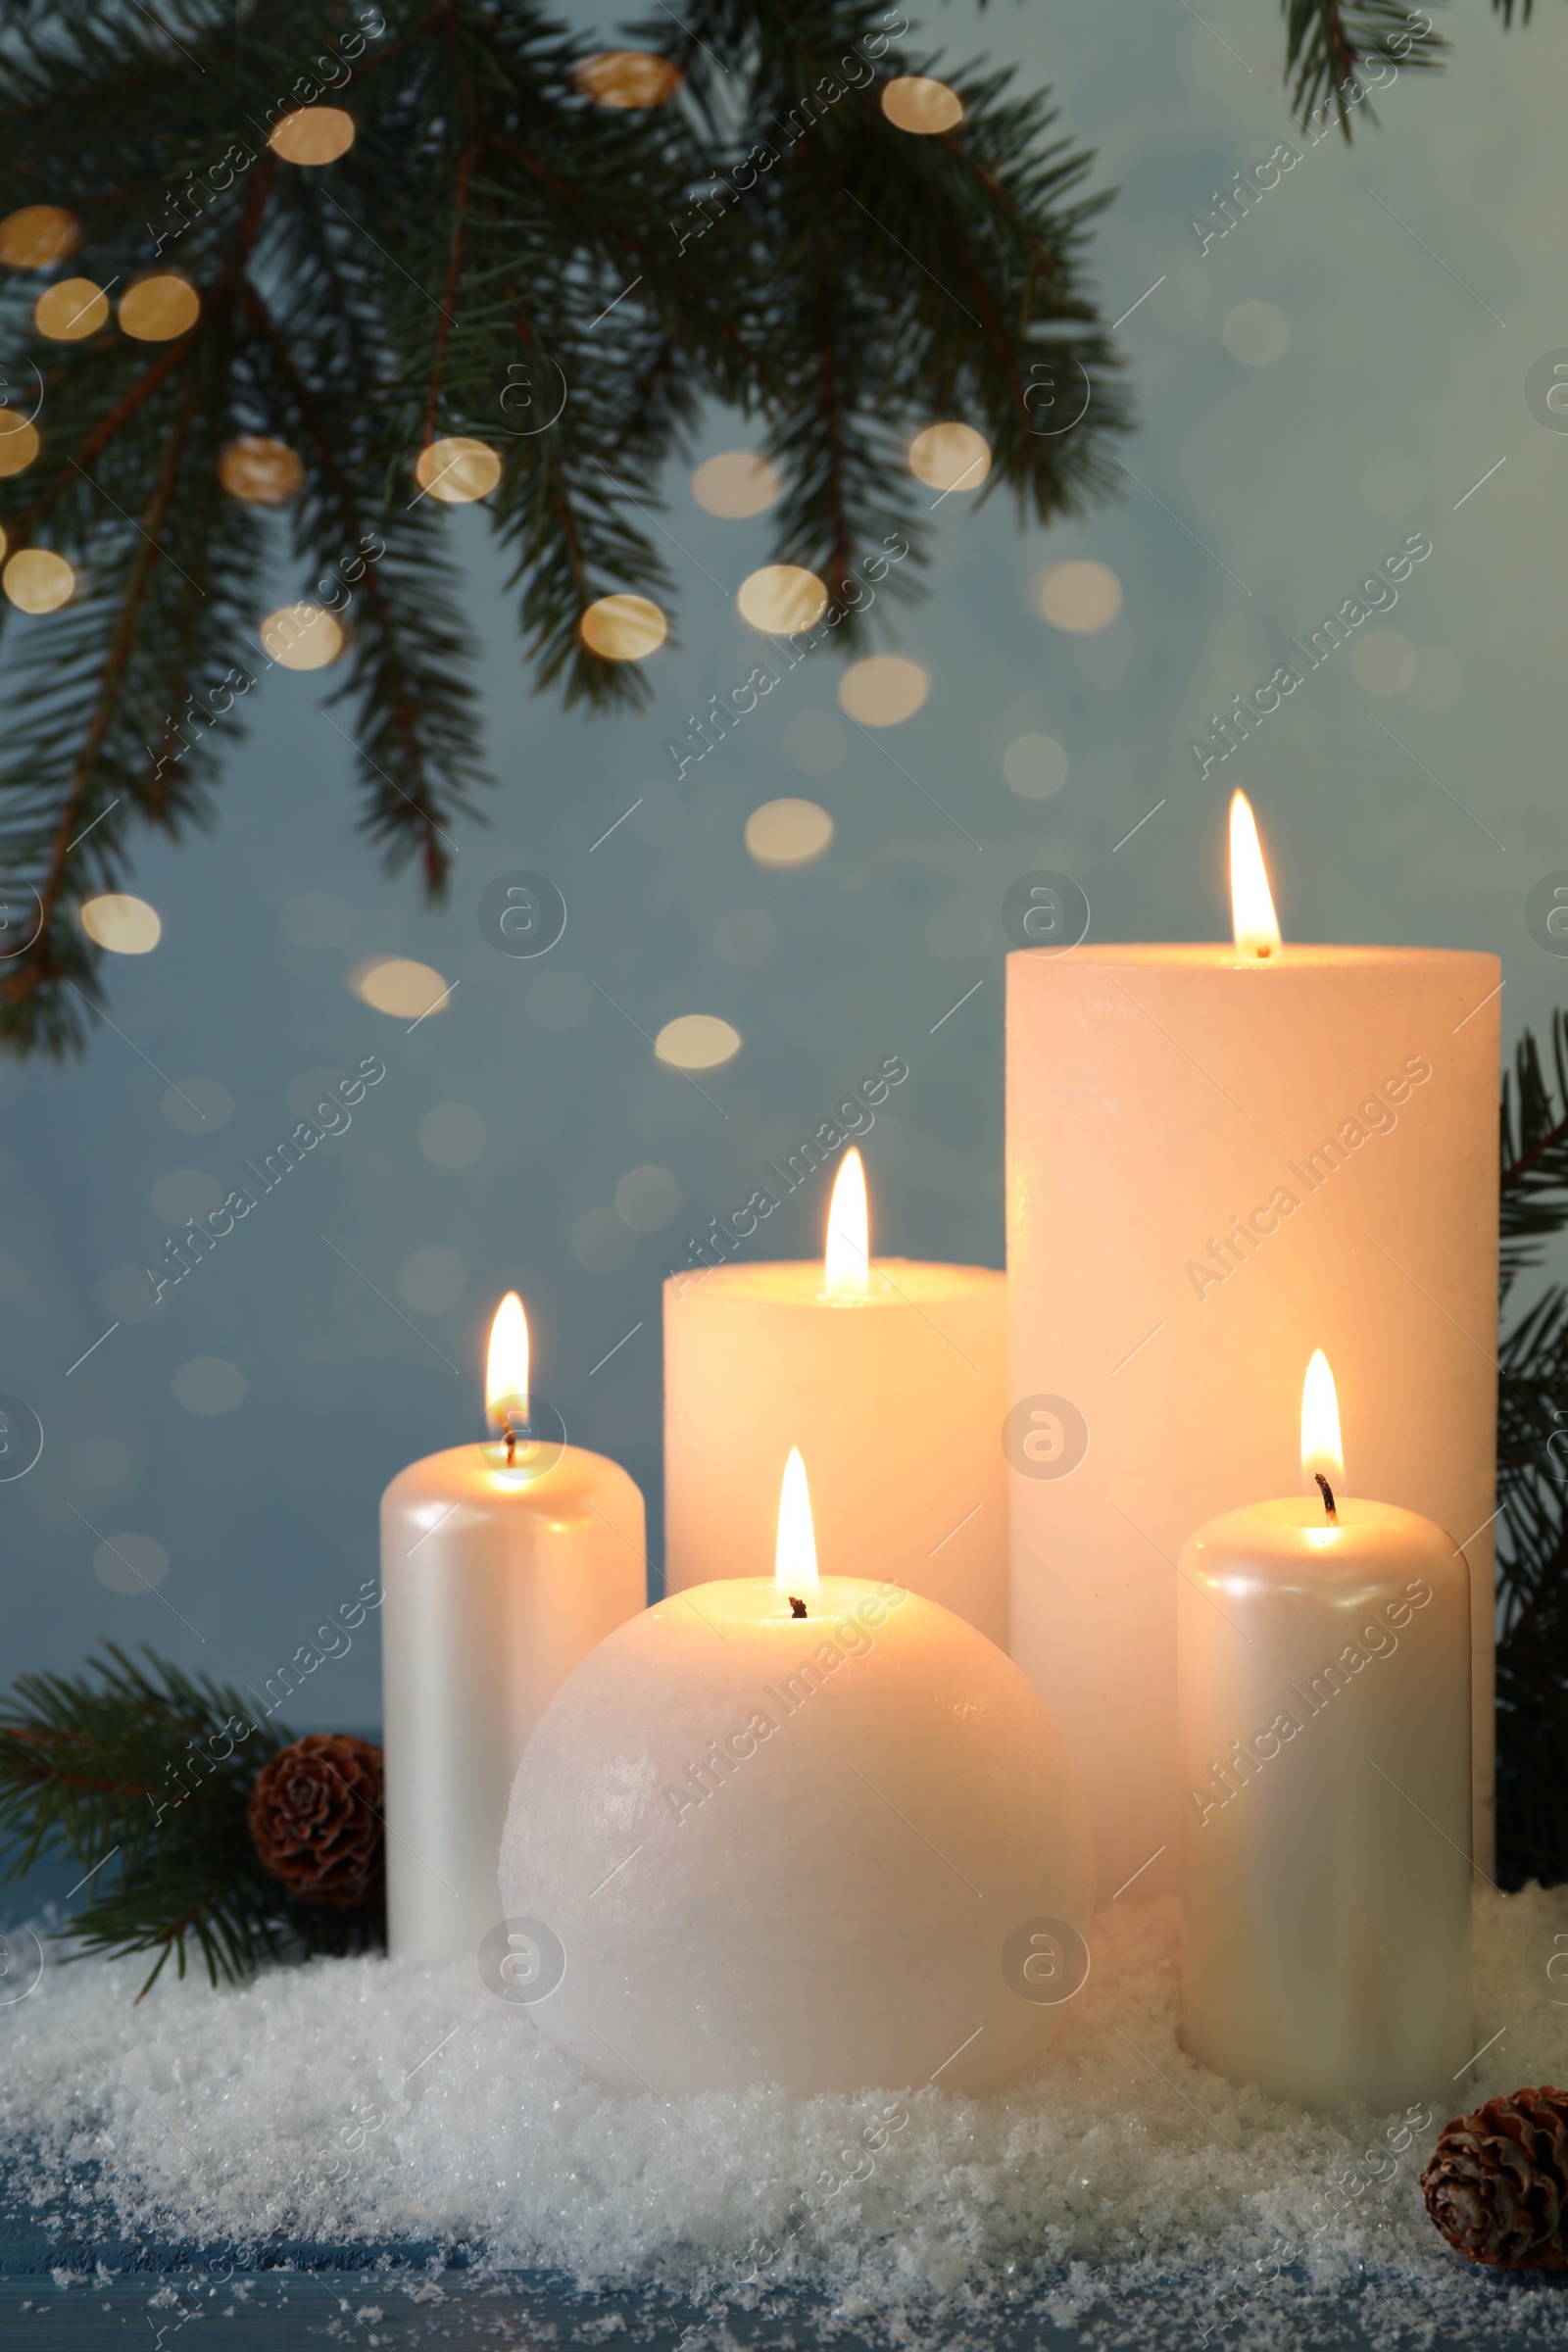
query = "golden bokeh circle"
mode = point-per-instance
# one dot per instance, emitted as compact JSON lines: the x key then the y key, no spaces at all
{"x":302,"y":636}
{"x":260,"y":470}
{"x":949,"y":456}
{"x":697,"y":1040}
{"x":37,"y":580}
{"x":736,"y":485}
{"x":38,"y":236}
{"x":627,"y":77}
{"x":157,"y":309}
{"x":18,"y":442}
{"x":400,"y":987}
{"x":457,"y":471}
{"x":781,"y":599}
{"x":1079,"y":597}
{"x":624,"y":628}
{"x":883,"y":690}
{"x":125,"y":925}
{"x":311,"y":134}
{"x":788,"y":832}
{"x":69,"y":309}
{"x":913,"y":102}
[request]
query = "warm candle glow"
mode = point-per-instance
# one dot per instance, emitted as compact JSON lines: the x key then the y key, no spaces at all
{"x":794,"y":1559}
{"x":1321,"y":1449}
{"x":847,"y":1273}
{"x":506,"y":1378}
{"x":1253,"y":918}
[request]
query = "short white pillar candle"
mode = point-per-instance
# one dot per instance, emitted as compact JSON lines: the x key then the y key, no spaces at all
{"x":818,"y":1834}
{"x":1324,"y":1710}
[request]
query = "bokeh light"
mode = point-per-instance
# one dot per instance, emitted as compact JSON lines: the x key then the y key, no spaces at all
{"x":260,"y":470}
{"x":648,"y":1198}
{"x":627,"y":77}
{"x":451,"y":1135}
{"x":69,"y":310}
{"x":18,"y":442}
{"x":130,"y":1563}
{"x":1384,"y":662}
{"x":1035,"y":766}
{"x":433,"y":1280}
{"x":1079,"y":597}
{"x":208,"y":1385}
{"x":781,"y":599}
{"x":624,"y":628}
{"x":915,"y":102}
{"x":125,"y":925}
{"x":38,"y":237}
{"x":949,"y":456}
{"x":311,"y":134}
{"x":883,"y":691}
{"x":37,"y":580}
{"x":457,"y":471}
{"x":301,"y":637}
{"x":697,"y":1040}
{"x":1255,"y":332}
{"x":157,"y":309}
{"x":788,"y":832}
{"x":398,"y":985}
{"x":736,"y":485}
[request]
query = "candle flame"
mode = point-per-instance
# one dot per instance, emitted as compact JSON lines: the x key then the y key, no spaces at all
{"x":794,"y":1559}
{"x":1321,"y":1449}
{"x":506,"y":1378}
{"x":1253,"y":918}
{"x":847,"y":1273}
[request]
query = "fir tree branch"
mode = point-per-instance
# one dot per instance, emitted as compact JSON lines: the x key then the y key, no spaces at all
{"x":149,"y":1770}
{"x":1327,"y":43}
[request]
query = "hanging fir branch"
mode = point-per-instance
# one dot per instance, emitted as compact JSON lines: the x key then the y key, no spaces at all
{"x":1336,"y":51}
{"x":498,"y":256}
{"x":142,"y":1776}
{"x":1532,"y":1478}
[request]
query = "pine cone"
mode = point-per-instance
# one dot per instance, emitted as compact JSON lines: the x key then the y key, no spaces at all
{"x":315,"y":1816}
{"x":1496,"y":2183}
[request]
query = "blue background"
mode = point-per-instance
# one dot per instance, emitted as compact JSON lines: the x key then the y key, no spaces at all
{"x":1263,"y":495}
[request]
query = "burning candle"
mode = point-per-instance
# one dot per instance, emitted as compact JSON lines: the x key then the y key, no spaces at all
{"x":889,"y":1375}
{"x":807,"y":1829}
{"x":1216,"y":1156}
{"x":502,"y":1565}
{"x":1325,"y":1754}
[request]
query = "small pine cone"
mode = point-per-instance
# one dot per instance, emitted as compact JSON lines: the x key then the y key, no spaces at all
{"x":315,"y":1817}
{"x":1496,"y":2183}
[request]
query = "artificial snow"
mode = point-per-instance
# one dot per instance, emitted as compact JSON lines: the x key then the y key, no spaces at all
{"x":373,"y":2101}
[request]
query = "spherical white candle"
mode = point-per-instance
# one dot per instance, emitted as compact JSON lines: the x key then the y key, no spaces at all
{"x":891,"y":1378}
{"x":502,"y":1566}
{"x":1325,"y":1754}
{"x":1218,"y":1158}
{"x":832,"y":1842}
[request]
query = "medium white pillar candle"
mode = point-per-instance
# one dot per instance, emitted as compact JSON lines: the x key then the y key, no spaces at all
{"x":891,"y":1378}
{"x":1325,"y":1758}
{"x":501,"y":1567}
{"x":813,"y":1832}
{"x":1218,"y":1159}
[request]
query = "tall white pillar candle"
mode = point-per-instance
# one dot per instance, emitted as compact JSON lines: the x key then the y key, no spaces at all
{"x":498,"y":1577}
{"x":889,"y":1376}
{"x":1218,"y":1160}
{"x":1324,"y":1715}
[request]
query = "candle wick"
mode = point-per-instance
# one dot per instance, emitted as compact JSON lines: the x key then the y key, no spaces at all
{"x":797,"y":1607}
{"x":1328,"y":1496}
